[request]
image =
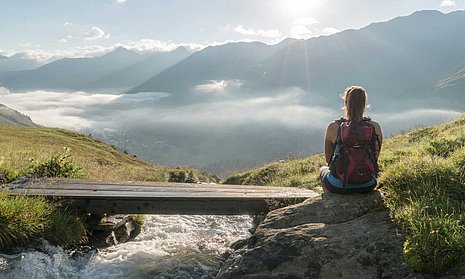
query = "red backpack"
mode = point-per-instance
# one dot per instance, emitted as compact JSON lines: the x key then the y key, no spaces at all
{"x":354,"y":157}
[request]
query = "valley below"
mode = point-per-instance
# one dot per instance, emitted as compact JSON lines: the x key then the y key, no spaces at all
{"x":222,"y":135}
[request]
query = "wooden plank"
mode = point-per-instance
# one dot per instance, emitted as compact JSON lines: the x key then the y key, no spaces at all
{"x":71,"y":183}
{"x":135,"y":195}
{"x":158,"y":187}
{"x":112,"y":197}
{"x":165,"y":189}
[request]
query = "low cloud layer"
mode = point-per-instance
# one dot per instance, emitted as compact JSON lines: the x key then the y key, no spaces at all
{"x":248,"y":128}
{"x":394,"y":123}
{"x":81,"y":110}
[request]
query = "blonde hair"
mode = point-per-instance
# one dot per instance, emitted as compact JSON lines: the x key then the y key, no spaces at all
{"x":355,"y":98}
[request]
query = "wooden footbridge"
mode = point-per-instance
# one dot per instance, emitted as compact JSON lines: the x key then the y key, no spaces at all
{"x":110,"y":197}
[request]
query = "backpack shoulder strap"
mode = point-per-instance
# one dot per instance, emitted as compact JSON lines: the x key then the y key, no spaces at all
{"x":374,"y":134}
{"x":340,"y":120}
{"x":366,"y":118}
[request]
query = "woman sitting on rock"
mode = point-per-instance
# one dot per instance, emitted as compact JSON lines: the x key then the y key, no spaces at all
{"x":352,"y":146}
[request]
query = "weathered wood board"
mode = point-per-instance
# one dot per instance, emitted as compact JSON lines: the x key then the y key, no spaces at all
{"x":118,"y":197}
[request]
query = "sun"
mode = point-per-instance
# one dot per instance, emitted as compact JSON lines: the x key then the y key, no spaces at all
{"x":298,"y":7}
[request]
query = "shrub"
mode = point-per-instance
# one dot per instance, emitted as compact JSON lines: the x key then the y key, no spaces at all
{"x":65,"y":229}
{"x":7,"y":175}
{"x":177,"y":176}
{"x":58,"y":166}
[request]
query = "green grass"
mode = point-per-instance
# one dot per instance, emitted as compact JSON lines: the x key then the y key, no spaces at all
{"x":23,"y":220}
{"x":287,"y":173}
{"x":423,"y":182}
{"x":60,"y":165}
{"x":22,"y":145}
{"x":47,"y":152}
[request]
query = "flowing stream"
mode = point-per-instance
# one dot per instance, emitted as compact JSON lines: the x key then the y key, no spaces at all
{"x":175,"y":246}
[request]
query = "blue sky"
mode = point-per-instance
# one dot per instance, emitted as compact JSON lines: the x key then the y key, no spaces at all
{"x":87,"y":27}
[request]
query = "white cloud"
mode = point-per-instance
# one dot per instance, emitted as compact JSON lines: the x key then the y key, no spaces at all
{"x":448,"y":3}
{"x":218,"y":43}
{"x":407,"y":120}
{"x":63,"y":41}
{"x":39,"y":56}
{"x":280,"y":108}
{"x":54,"y":109}
{"x":121,"y":1}
{"x":218,"y":86}
{"x":329,"y":31}
{"x":300,"y":32}
{"x":301,"y":27}
{"x":110,"y":115}
{"x":141,"y":46}
{"x":271,"y":33}
{"x":307,"y":27}
{"x":95,"y":33}
{"x":81,"y":110}
{"x":150,"y":45}
{"x":307,"y":21}
{"x":7,"y":53}
{"x":4,"y":91}
{"x":43,"y":56}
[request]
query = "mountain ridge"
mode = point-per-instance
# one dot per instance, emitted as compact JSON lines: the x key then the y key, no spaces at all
{"x":91,"y":73}
{"x":411,"y":53}
{"x":9,"y":116}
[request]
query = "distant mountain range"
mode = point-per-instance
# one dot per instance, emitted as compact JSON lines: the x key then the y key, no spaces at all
{"x":420,"y":56}
{"x":10,"y":116}
{"x":231,"y":61}
{"x":17,"y":62}
{"x":118,"y":70}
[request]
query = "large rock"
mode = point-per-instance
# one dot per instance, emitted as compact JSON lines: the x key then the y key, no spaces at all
{"x":328,"y":236}
{"x":112,"y":229}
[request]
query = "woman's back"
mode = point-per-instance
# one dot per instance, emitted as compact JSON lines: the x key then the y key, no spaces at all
{"x":331,"y":134}
{"x":352,"y":146}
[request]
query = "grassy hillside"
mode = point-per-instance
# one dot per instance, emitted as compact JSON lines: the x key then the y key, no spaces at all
{"x":22,"y":147}
{"x":423,"y":182}
{"x":56,"y":152}
{"x":293,"y":173}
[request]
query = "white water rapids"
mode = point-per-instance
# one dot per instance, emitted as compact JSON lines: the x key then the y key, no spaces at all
{"x":168,"y":247}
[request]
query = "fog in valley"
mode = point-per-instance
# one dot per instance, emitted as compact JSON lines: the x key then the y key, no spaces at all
{"x":230,"y":130}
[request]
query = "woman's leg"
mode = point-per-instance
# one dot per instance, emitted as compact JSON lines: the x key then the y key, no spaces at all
{"x":324,"y":171}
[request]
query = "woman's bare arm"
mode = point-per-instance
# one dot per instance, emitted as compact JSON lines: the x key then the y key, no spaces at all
{"x":330,"y":139}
